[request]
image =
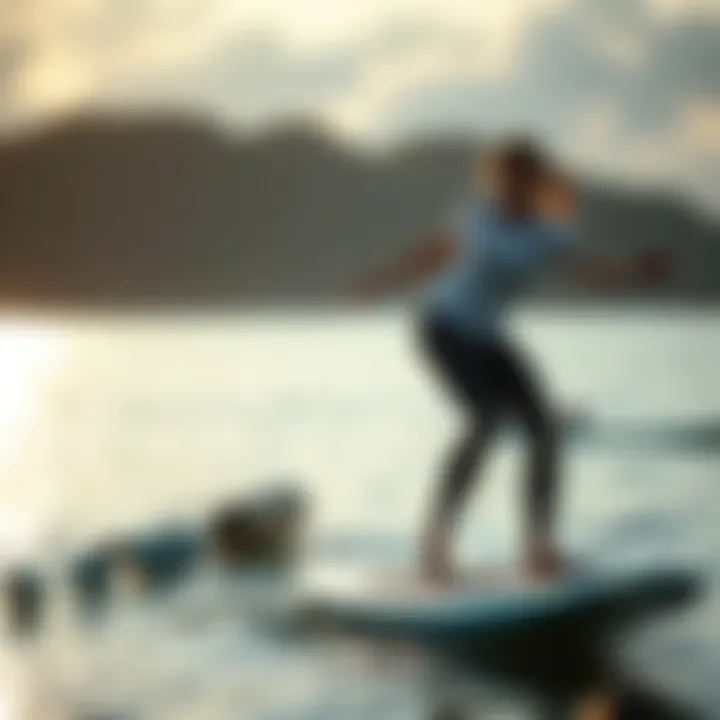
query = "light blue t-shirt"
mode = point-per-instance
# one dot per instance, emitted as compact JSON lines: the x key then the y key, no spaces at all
{"x":498,"y":258}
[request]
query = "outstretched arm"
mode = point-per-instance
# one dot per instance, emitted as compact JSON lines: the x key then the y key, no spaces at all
{"x":419,"y":263}
{"x":649,"y":268}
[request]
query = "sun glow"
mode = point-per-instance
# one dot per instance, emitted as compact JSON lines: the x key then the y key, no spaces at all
{"x":29,"y":355}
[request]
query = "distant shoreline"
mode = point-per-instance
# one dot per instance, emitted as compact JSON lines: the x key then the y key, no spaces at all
{"x":169,"y":214}
{"x":270,"y":311}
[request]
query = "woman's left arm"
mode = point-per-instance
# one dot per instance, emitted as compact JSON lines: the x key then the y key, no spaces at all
{"x":651,"y":267}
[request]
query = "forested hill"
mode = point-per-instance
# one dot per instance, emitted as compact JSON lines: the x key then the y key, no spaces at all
{"x":173,"y":211}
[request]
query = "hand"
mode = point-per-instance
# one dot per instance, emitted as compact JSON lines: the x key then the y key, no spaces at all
{"x":654,"y":267}
{"x":362,"y":291}
{"x":358,"y":294}
{"x":557,"y":199}
{"x":369,"y":287}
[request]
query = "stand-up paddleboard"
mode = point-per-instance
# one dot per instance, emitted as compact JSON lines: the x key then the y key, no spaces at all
{"x":486,"y":605}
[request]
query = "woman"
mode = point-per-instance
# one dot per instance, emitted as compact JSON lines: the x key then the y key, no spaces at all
{"x":519,"y":223}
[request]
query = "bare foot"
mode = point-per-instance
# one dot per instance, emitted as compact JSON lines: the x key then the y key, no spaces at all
{"x":436,"y":567}
{"x":438,"y":579}
{"x":543,"y":563}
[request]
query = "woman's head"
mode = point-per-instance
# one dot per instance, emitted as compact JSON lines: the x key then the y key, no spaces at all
{"x":515,"y":177}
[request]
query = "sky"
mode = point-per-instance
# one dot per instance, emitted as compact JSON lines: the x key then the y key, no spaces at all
{"x":629,"y":88}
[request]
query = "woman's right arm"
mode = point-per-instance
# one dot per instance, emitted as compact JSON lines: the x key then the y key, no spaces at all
{"x":418,"y":264}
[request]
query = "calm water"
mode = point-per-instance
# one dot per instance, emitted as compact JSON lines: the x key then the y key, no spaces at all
{"x":115,"y":424}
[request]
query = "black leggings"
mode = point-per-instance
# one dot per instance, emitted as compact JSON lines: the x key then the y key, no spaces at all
{"x":493,"y":383}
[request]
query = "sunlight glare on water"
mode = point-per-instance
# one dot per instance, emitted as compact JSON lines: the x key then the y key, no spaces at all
{"x":30,"y":354}
{"x":123,"y":425}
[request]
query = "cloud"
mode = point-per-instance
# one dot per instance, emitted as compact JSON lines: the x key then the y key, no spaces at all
{"x":83,"y":50}
{"x":11,"y":60}
{"x":612,"y":84}
{"x":627,"y":85}
{"x":673,"y":9}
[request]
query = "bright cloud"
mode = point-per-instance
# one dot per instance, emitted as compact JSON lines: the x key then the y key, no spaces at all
{"x":607,"y":81}
{"x":700,"y":125}
{"x":673,"y":9}
{"x":81,"y":49}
